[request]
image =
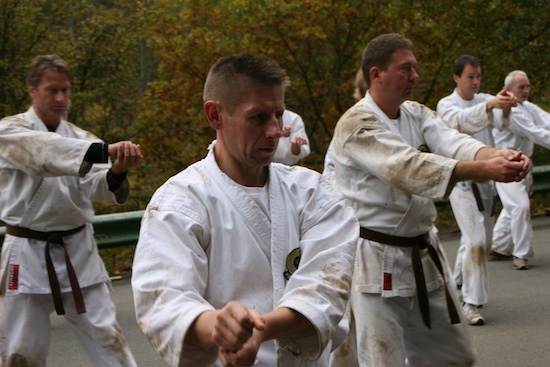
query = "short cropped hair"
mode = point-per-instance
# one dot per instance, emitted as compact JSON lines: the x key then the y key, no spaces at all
{"x":379,"y":52}
{"x":461,"y":62}
{"x":509,"y":80}
{"x":43,"y":63}
{"x":230,"y":78}
{"x":360,"y":86}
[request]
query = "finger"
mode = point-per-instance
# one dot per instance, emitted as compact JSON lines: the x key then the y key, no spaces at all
{"x":121,"y":150}
{"x":258,"y":320}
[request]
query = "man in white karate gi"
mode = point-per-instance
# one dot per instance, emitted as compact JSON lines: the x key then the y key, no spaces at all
{"x":241,"y":261}
{"x":403,"y":303}
{"x":473,"y":113}
{"x":529,"y":124}
{"x":293,"y":144}
{"x":50,"y":170}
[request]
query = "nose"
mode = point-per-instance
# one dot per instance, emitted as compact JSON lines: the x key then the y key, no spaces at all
{"x":274,"y":127}
{"x":61,"y":96}
{"x":414,"y":75}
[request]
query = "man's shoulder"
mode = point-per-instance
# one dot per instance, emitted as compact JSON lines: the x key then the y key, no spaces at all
{"x":79,"y":132}
{"x":452,"y":99}
{"x":306,"y":183}
{"x":416,"y":109}
{"x":294,"y":173}
{"x":18,"y":119}
{"x":358,"y":114}
{"x":181,"y":191}
{"x":530,"y":106}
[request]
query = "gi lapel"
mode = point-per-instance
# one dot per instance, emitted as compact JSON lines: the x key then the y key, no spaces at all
{"x":255,"y":219}
{"x":280,"y":246}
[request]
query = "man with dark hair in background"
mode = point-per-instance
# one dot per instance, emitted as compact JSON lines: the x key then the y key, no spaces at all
{"x":474,"y":113}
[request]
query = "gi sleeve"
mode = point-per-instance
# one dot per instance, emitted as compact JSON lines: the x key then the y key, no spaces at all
{"x":40,"y":153}
{"x":522,"y":125}
{"x":465,"y":120}
{"x":367,"y":144}
{"x":170,"y":273}
{"x":320,"y":287}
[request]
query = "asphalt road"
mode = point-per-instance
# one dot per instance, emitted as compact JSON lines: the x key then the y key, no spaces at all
{"x":516,"y":333}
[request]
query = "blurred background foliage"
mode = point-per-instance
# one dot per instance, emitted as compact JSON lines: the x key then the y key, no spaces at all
{"x":139,"y":66}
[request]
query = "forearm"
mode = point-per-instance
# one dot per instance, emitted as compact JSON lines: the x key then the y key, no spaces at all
{"x":503,"y":165}
{"x":284,"y":322}
{"x":295,"y":148}
{"x":200,"y":332}
{"x":487,"y":153}
{"x":468,"y":170}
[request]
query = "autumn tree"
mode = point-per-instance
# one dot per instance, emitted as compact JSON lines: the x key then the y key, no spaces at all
{"x":103,"y":43}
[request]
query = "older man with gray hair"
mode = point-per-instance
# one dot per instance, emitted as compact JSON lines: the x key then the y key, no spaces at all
{"x":529,"y":124}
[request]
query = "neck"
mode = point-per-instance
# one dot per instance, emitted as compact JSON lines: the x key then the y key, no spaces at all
{"x":464,"y":96}
{"x":389,"y":107}
{"x":243,"y":175}
{"x":51,"y":122}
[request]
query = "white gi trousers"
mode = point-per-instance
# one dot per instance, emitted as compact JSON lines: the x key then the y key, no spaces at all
{"x":476,"y":228}
{"x":29,"y":328}
{"x":513,"y":233}
{"x":396,"y":336}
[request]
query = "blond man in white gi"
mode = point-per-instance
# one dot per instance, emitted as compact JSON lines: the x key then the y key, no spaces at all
{"x":50,"y":170}
{"x":474,"y":113}
{"x":241,"y":261}
{"x":529,"y":124}
{"x":403,"y":303}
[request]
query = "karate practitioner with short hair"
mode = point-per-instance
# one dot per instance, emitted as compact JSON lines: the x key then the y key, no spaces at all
{"x":241,"y":261}
{"x":392,"y":158}
{"x":50,"y":171}
{"x":473,"y":113}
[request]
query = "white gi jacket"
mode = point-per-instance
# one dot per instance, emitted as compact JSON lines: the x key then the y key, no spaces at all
{"x":205,"y":242}
{"x":283,"y":154}
{"x":46,"y":186}
{"x":529,"y":124}
{"x":390,"y":183}
{"x":471,"y":117}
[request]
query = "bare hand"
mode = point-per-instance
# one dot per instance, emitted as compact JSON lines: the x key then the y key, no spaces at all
{"x":298,"y":139}
{"x":285,"y":131}
{"x":504,"y":100}
{"x":234,"y":326}
{"x":126,"y":154}
{"x":246,"y":355}
{"x":510,"y":165}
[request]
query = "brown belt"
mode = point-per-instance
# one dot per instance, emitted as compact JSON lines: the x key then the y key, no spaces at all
{"x":479,"y":201}
{"x":477,"y":196}
{"x":55,"y":237}
{"x":417,"y":243}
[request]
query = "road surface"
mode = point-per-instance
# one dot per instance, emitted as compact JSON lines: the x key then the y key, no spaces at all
{"x":516,"y":333}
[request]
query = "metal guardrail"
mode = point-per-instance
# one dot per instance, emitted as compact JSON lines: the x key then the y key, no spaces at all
{"x":122,"y":229}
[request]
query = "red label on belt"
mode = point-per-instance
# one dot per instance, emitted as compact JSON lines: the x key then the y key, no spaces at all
{"x":13,"y":277}
{"x":387,"y":282}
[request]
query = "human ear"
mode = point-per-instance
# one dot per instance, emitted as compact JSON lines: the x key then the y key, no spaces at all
{"x":212,"y":111}
{"x":374,"y":73}
{"x":31,"y":90}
